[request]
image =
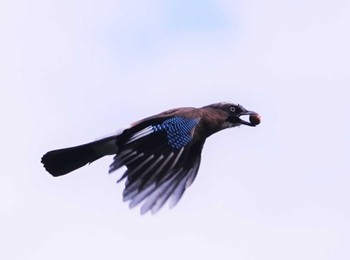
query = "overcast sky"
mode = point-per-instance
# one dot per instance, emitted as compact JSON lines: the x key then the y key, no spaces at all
{"x":76,"y":71}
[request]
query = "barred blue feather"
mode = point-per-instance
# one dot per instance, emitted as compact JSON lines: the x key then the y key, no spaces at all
{"x":178,"y":130}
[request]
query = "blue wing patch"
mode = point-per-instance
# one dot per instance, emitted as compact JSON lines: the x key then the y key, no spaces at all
{"x":178,"y":130}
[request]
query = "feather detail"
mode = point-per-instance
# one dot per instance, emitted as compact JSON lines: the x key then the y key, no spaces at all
{"x":161,"y":161}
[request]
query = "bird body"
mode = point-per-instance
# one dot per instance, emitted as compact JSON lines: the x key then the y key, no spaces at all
{"x":162,"y":153}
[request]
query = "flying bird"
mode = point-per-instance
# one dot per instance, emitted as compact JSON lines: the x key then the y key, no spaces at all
{"x":162,"y":153}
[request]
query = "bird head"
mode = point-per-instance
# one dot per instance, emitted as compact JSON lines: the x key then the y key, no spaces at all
{"x":234,"y":112}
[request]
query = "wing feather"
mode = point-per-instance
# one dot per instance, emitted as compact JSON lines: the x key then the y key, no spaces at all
{"x":161,"y":161}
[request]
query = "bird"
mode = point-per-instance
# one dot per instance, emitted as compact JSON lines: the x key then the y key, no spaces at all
{"x":162,"y":153}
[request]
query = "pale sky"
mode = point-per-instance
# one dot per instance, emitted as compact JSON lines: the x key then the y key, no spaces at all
{"x":76,"y":71}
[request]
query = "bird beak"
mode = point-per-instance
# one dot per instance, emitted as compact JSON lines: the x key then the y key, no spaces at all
{"x":254,"y":118}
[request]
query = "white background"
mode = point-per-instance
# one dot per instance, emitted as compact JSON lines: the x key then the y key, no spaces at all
{"x":74,"y":71}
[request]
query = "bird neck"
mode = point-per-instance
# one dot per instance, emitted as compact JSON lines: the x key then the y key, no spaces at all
{"x":212,"y":121}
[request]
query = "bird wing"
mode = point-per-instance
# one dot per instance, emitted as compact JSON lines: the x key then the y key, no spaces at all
{"x":161,"y":159}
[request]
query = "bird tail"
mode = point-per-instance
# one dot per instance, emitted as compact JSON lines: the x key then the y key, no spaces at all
{"x":63,"y":161}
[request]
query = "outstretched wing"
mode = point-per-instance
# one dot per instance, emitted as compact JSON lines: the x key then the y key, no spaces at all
{"x":161,"y":159}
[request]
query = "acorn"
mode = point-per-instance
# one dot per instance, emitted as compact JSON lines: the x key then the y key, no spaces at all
{"x":255,"y":119}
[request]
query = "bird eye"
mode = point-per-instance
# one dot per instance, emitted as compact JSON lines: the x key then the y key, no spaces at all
{"x":233,"y":109}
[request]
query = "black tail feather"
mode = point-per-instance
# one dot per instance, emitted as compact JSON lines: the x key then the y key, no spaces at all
{"x":62,"y":161}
